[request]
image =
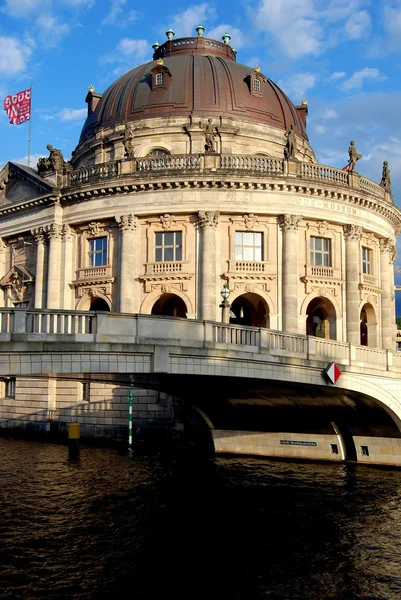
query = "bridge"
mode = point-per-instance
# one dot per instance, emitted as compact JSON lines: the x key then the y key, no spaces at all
{"x":200,"y":359}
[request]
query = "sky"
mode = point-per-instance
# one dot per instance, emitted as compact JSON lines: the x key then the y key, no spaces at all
{"x":343,"y":56}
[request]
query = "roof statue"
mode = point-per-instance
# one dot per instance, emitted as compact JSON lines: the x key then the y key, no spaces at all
{"x":53,"y":162}
{"x":291,"y":144}
{"x":386,"y":181}
{"x":210,"y":137}
{"x":128,"y":141}
{"x":353,"y":156}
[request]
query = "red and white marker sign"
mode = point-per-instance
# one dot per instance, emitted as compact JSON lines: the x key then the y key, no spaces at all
{"x":333,"y":372}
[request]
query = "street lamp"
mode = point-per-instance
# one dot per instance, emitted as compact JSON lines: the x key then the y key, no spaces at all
{"x":225,"y":305}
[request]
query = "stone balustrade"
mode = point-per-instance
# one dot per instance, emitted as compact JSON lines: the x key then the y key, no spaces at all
{"x":136,"y":168}
{"x":68,"y":327}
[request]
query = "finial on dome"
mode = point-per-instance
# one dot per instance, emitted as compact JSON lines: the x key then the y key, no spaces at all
{"x":155,"y":46}
{"x":91,"y":88}
{"x":226,"y":38}
{"x":160,"y":62}
{"x":170,"y":34}
{"x":256,"y":68}
{"x":200,"y":30}
{"x":304,"y":102}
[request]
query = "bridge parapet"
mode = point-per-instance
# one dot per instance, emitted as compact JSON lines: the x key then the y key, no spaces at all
{"x":61,"y":326}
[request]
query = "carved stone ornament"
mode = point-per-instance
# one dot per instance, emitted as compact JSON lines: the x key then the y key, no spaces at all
{"x":370,"y":239}
{"x":66,"y":232}
{"x":39,"y":235}
{"x":208,"y":218}
{"x":249,"y":289}
{"x":127,"y":222}
{"x":210,"y":137}
{"x":352,"y":233}
{"x":250,"y":221}
{"x":53,"y":162}
{"x":393,"y":256}
{"x":95,"y":228}
{"x":322,"y":227}
{"x":165,"y":289}
{"x":289,"y":222}
{"x":128,"y":141}
{"x":167,"y":221}
{"x":53,"y":231}
{"x":385,"y":245}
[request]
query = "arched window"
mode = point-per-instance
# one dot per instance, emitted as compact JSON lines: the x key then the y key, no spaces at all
{"x":158,"y":152}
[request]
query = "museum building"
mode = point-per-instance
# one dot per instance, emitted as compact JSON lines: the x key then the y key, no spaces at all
{"x":193,"y":173}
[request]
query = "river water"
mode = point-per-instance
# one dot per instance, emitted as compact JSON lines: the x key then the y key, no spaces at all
{"x":120,"y":526}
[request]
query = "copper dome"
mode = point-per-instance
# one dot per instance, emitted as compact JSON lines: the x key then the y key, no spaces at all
{"x":204,"y":80}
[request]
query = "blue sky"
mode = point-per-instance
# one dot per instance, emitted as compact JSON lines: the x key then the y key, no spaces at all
{"x":343,"y":56}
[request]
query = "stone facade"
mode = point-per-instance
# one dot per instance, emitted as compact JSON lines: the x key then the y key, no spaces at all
{"x":147,"y":219}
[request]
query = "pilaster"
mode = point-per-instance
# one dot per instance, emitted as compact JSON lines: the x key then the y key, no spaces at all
{"x":53,"y":232}
{"x":40,"y":239}
{"x":129,"y":261}
{"x":208,"y":222}
{"x":352,"y":236}
{"x":290,"y":281}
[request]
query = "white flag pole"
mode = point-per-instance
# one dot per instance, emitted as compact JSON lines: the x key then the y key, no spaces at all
{"x":29,"y":128}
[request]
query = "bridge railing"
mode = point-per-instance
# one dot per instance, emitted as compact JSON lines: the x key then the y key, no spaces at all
{"x":17,"y":324}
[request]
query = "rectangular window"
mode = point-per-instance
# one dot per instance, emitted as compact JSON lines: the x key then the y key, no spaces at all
{"x":334,"y":448}
{"x":365,"y":450}
{"x":10,"y":387}
{"x":159,"y":78}
{"x":320,"y":252}
{"x":98,"y":252}
{"x":366,"y":261}
{"x":168,"y":246}
{"x":256,"y":85}
{"x":248,"y":246}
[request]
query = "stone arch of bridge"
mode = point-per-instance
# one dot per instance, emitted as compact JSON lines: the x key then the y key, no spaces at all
{"x":152,"y":298}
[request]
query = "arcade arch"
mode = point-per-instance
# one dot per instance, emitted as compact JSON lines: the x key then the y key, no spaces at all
{"x":170,"y":305}
{"x":368,"y":326}
{"x":250,"y":309}
{"x":321,"y":318}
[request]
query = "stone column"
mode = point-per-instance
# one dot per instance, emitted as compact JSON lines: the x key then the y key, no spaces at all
{"x":3,"y":262}
{"x":392,"y":259}
{"x":54,"y":269}
{"x":208,"y":222}
{"x":352,"y":235}
{"x":290,"y":275}
{"x":129,"y":263}
{"x":67,"y":297}
{"x":40,"y":239}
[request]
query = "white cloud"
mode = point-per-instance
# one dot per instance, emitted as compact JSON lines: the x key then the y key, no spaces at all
{"x":320,"y":129}
{"x":185,"y":23}
{"x":358,"y":25}
{"x":356,"y":81}
{"x":13,"y":56}
{"x":329,"y":113}
{"x":23,"y":160}
{"x":115,"y":16}
{"x":337,"y":75}
{"x":24,"y":8}
{"x":128,"y":49}
{"x":237,"y":37}
{"x":51,"y":32}
{"x":72,"y":114}
{"x":296,"y":85}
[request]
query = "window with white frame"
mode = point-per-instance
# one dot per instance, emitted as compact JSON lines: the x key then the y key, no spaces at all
{"x":10,"y":385}
{"x":256,"y":85}
{"x":168,"y":246}
{"x":320,"y":251}
{"x":367,"y":261}
{"x":159,"y":79}
{"x":248,"y":245}
{"x":98,"y":252}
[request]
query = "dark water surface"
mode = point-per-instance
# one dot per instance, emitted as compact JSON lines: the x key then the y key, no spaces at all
{"x":114,"y":526}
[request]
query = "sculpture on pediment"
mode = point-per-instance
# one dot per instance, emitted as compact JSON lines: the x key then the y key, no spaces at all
{"x":353,"y":156}
{"x":53,"y":162}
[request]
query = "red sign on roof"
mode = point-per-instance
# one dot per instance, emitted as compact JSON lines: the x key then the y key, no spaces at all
{"x":333,"y":373}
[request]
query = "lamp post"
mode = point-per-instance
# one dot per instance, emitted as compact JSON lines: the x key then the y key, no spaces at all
{"x":225,"y":305}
